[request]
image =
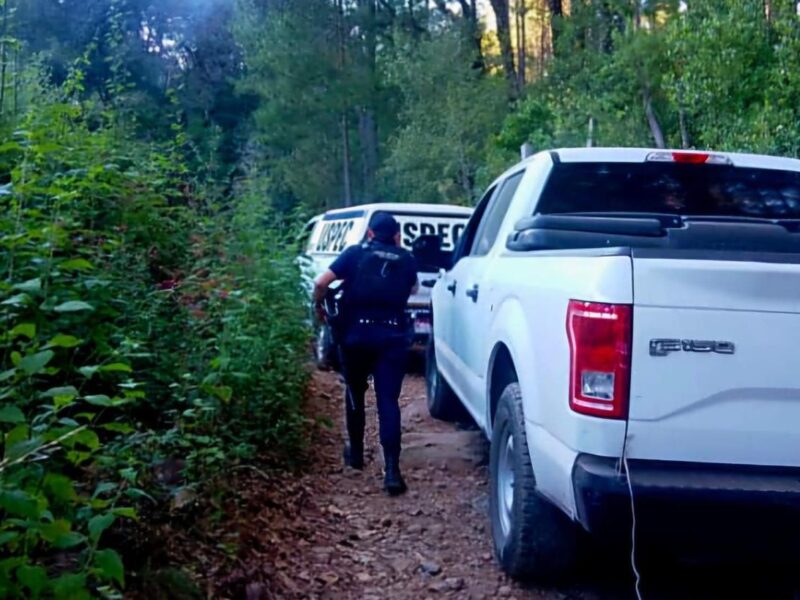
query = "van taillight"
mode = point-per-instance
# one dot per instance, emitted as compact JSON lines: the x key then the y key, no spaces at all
{"x":600,"y":358}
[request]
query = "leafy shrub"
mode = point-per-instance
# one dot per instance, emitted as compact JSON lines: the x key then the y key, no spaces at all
{"x":140,"y":322}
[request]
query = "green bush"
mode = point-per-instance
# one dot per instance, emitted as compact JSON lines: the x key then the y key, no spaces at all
{"x":140,"y":322}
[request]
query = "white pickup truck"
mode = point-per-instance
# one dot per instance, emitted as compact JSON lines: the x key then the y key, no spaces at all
{"x":624,"y":323}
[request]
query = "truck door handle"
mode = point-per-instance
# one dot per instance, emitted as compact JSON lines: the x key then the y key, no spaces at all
{"x":473,"y":293}
{"x":452,"y":288}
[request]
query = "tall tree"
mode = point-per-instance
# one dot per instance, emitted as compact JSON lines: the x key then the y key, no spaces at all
{"x":450,"y":110}
{"x":367,"y":119}
{"x":521,"y":17}
{"x":556,"y":11}
{"x":502,"y":15}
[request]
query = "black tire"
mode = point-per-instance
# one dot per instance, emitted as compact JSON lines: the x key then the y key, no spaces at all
{"x":325,"y":351}
{"x":443,"y":404}
{"x":532,"y":538}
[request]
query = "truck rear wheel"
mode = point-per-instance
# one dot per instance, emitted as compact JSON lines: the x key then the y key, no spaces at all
{"x":532,"y":538}
{"x":442,"y":401}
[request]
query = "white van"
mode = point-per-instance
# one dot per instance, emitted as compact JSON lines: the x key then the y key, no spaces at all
{"x":331,"y":232}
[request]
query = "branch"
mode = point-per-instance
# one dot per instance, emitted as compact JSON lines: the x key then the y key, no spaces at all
{"x":4,"y":464}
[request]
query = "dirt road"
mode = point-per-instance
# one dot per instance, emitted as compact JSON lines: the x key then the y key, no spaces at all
{"x":332,"y":533}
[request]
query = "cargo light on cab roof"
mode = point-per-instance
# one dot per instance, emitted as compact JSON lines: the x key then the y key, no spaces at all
{"x":689,"y":158}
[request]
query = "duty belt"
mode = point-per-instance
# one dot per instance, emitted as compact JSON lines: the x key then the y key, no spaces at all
{"x":389,"y":322}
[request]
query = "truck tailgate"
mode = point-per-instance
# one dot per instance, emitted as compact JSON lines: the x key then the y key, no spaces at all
{"x":715,"y":368}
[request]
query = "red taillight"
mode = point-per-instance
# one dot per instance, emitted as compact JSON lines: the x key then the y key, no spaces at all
{"x":691,"y":158}
{"x":600,"y":358}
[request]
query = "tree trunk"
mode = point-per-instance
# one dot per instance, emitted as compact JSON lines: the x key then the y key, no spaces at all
{"x":556,"y":14}
{"x":346,"y":186}
{"x":469,"y":9}
{"x":605,"y":43}
{"x":590,"y":134}
{"x":17,"y":67}
{"x":522,"y":42}
{"x":368,"y":136}
{"x":686,"y":141}
{"x":344,"y":123}
{"x":503,"y":17}
{"x":367,"y":123}
{"x":652,"y":120}
{"x":4,"y":58}
{"x":518,"y":38}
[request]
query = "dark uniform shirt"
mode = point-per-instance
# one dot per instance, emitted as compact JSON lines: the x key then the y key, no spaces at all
{"x":388,"y":299}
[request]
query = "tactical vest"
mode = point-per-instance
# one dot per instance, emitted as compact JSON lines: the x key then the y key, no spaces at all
{"x":380,"y":288}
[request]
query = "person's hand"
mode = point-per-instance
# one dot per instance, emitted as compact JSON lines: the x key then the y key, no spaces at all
{"x":320,"y":310}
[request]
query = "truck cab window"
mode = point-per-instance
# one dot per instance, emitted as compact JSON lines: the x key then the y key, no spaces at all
{"x":493,"y":218}
{"x":465,"y":242}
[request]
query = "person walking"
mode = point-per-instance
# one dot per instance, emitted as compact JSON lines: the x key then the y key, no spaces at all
{"x":378,"y":278}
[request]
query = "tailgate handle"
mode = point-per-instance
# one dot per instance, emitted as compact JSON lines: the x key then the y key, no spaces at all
{"x":473,"y":293}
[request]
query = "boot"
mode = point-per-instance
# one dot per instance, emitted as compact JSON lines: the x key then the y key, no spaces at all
{"x":354,"y":456}
{"x":393,"y":481}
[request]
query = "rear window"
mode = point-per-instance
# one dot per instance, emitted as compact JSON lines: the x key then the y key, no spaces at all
{"x":670,"y":188}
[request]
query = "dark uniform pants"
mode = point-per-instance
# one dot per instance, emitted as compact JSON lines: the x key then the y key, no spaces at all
{"x":386,"y":362}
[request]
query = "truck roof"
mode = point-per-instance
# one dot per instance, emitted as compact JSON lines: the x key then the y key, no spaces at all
{"x":405,"y":207}
{"x":761,"y":161}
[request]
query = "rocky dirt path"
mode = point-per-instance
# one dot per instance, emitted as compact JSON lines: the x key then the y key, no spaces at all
{"x":345,"y":539}
{"x":330,"y":532}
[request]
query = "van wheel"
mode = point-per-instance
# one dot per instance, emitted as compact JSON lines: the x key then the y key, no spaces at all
{"x":532,"y":538}
{"x":324,"y":349}
{"x":442,"y":401}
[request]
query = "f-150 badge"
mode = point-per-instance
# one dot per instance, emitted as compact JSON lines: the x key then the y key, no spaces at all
{"x":665,"y":347}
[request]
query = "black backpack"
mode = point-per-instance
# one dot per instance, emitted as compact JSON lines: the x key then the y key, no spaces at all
{"x":380,"y":288}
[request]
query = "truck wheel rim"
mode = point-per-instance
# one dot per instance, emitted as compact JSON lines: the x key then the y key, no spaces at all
{"x":505,"y":482}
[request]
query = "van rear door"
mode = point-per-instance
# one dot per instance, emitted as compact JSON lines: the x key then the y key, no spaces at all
{"x":338,"y":230}
{"x":447,"y":226}
{"x":334,"y":232}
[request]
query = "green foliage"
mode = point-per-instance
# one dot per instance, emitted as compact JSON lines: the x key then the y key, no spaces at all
{"x":295,"y":70}
{"x":142,"y":321}
{"x":718,"y":75}
{"x":386,"y":99}
{"x":450,"y":109}
{"x":70,"y":187}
